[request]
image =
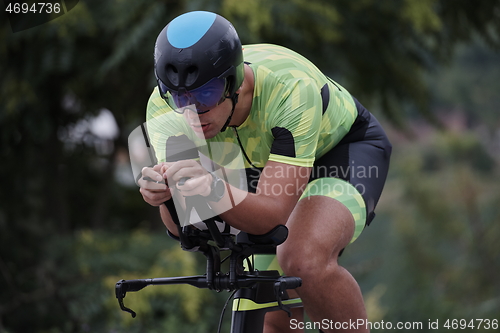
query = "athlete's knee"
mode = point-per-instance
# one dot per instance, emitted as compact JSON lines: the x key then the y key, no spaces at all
{"x":305,"y":262}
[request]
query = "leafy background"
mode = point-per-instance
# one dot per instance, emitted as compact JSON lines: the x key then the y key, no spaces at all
{"x":72,"y":222}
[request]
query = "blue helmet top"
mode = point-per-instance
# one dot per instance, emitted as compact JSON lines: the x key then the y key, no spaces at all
{"x":195,"y":48}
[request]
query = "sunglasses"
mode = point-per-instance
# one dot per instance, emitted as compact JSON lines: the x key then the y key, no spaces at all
{"x":204,"y":98}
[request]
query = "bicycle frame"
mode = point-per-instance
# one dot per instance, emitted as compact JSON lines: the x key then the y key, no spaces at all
{"x":256,"y":291}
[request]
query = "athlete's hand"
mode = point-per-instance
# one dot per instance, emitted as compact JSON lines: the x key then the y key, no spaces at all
{"x":153,"y":186}
{"x":195,"y":179}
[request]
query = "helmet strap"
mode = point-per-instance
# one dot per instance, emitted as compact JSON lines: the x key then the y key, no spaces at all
{"x":234,"y":99}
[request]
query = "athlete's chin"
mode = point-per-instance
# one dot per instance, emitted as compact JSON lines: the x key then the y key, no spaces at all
{"x":207,"y":131}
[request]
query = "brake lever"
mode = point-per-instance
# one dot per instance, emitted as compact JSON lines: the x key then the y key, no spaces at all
{"x":121,"y":292}
{"x":124,"y":308}
{"x":281,"y":285}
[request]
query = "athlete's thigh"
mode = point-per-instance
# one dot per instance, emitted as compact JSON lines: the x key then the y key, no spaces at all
{"x":319,"y":228}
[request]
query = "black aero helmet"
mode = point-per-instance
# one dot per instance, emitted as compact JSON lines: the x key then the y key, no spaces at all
{"x":198,"y":60}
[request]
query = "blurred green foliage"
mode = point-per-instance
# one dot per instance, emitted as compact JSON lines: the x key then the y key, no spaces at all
{"x":71,"y":225}
{"x":81,"y":271}
{"x":439,"y":225}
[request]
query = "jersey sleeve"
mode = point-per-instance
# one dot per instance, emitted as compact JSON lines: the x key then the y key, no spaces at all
{"x":295,"y":123}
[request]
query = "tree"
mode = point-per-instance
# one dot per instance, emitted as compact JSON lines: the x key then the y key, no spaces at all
{"x":380,"y":50}
{"x":57,"y":74}
{"x":442,"y":251}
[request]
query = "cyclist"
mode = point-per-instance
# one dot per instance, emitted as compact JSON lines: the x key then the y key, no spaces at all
{"x":321,"y":157}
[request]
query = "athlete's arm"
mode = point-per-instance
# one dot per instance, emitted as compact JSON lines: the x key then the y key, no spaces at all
{"x":279,"y":188}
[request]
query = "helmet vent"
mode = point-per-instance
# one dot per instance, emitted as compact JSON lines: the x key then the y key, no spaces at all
{"x":173,"y":74}
{"x":191,"y":75}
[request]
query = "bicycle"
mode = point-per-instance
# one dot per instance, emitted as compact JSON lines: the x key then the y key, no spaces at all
{"x":255,"y":292}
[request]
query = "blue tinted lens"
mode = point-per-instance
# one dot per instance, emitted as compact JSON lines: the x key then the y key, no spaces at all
{"x":181,"y":100}
{"x":203,"y":98}
{"x":210,"y":94}
{"x":163,"y":88}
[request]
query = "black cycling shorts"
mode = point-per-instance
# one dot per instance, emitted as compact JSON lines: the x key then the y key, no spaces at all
{"x":355,"y":168}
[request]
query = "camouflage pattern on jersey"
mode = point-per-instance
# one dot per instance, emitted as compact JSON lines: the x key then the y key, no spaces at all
{"x":287,"y":94}
{"x":286,"y":101}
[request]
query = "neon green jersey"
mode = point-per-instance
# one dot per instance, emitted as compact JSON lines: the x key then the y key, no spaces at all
{"x":288,"y":121}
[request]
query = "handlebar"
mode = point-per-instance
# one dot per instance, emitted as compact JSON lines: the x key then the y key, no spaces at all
{"x":281,"y":284}
{"x":236,"y":278}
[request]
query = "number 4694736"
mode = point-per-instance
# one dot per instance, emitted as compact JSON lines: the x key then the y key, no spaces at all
{"x":455,"y":324}
{"x":35,"y":8}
